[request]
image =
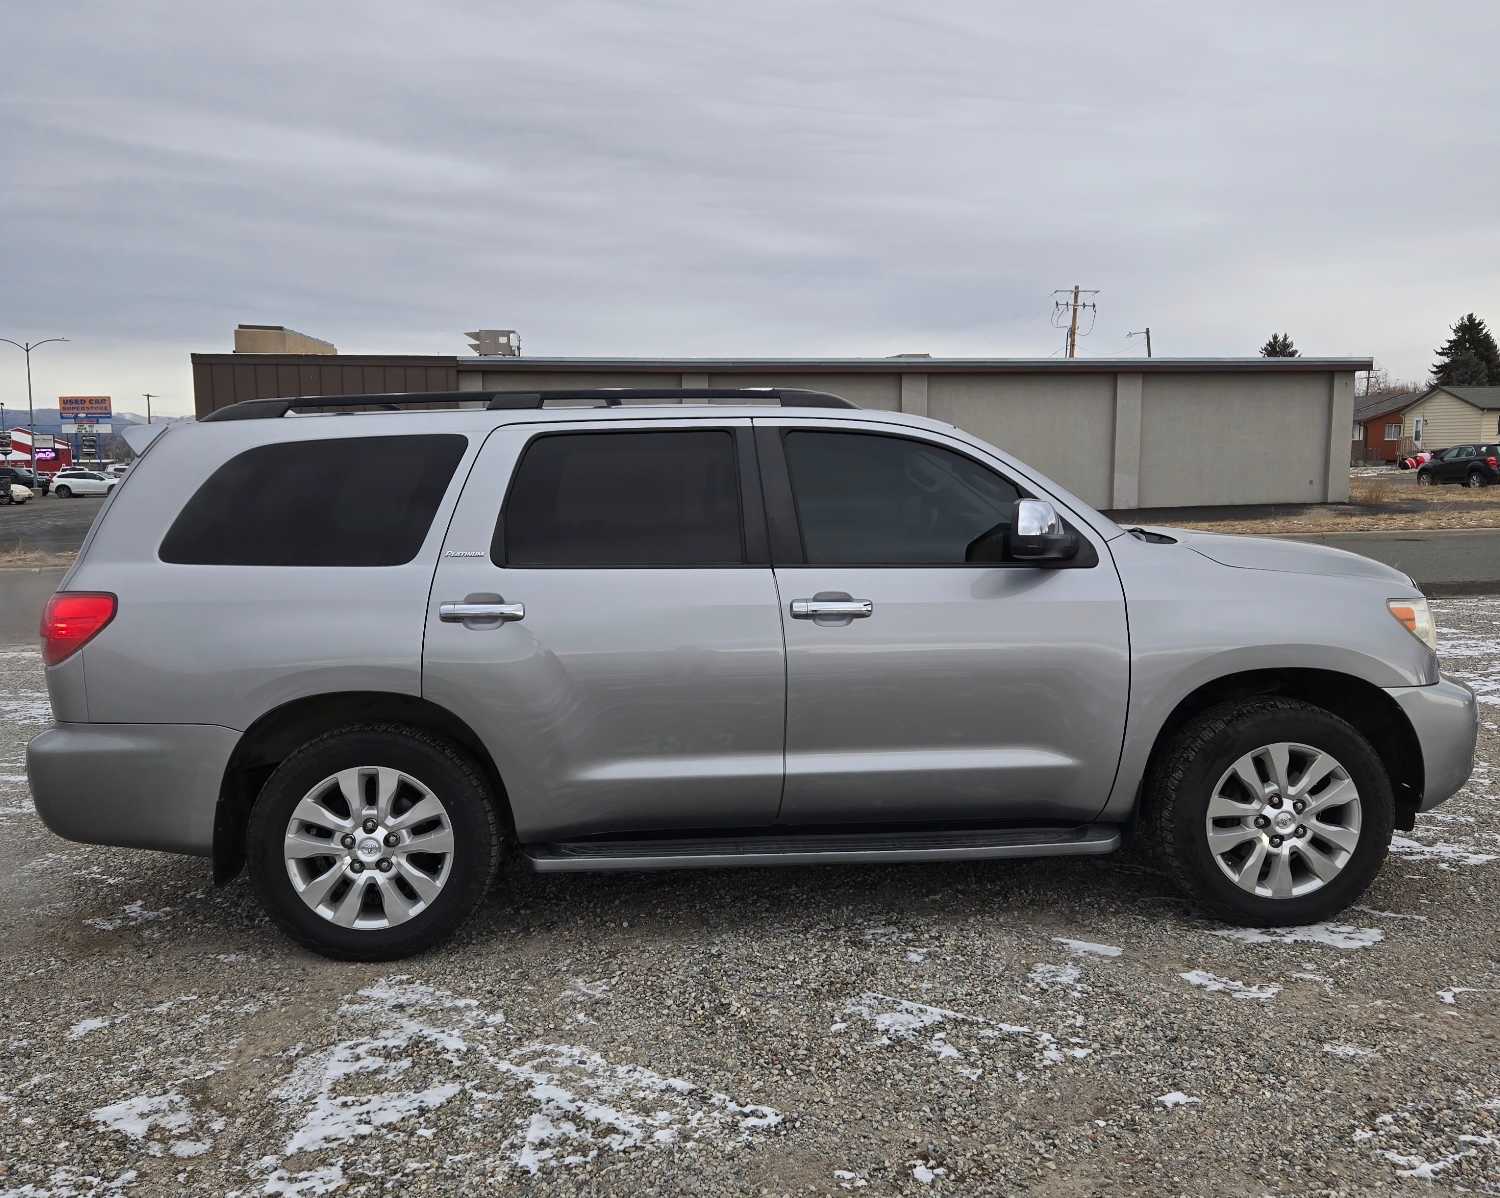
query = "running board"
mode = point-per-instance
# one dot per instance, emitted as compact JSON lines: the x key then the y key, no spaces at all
{"x":820,"y":849}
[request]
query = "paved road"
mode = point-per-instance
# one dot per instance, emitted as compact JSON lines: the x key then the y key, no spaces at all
{"x":48,"y":524}
{"x":1457,"y":562}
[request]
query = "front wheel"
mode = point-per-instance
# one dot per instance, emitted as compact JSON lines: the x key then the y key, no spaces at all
{"x":1424,"y":478}
{"x":373,"y":842}
{"x":1269,"y":811}
{"x":63,"y":491}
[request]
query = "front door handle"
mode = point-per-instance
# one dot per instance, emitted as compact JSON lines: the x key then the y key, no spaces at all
{"x":848,"y":609}
{"x":462,"y":613}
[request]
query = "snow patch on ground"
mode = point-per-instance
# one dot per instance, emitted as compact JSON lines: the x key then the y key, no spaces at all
{"x":925,"y":1172}
{"x":1087,"y":948}
{"x":1333,"y":935}
{"x":899,"y":1020}
{"x":150,"y":1119}
{"x":1057,"y":977}
{"x":1213,"y":982}
{"x":131,"y":915}
{"x":1349,"y":1051}
{"x":1445,"y":853}
{"x":1177,"y":1098}
{"x":423,"y":1048}
{"x":1425,"y":1140}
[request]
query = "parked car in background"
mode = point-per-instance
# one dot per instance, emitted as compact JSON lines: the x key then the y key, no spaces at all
{"x":1475,"y":465}
{"x":37,"y":484}
{"x":14,"y":493}
{"x":82,"y":482}
{"x":639,"y":637}
{"x":117,"y":469}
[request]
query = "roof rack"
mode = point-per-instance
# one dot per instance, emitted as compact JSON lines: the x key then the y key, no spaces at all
{"x":517,"y":401}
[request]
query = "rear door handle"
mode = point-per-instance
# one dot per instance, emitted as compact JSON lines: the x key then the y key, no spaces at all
{"x":462,"y":613}
{"x":811,"y":609}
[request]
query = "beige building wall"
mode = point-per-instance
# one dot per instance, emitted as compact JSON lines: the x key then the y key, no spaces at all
{"x":278,"y":339}
{"x":1062,"y":425}
{"x":1225,"y":439}
{"x":1448,"y":420}
{"x":1120,"y":435}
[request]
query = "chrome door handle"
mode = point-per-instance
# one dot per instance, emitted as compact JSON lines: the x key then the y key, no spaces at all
{"x":504,"y":613}
{"x":811,"y":609}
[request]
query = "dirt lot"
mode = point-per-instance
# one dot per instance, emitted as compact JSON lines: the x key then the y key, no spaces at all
{"x":1051,"y":1028}
{"x":1387,"y":500}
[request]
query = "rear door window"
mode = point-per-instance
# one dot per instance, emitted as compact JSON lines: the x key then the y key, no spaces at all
{"x":352,"y":501}
{"x":643,"y":499}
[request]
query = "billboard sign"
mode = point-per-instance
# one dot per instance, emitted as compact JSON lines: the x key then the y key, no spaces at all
{"x":69,"y":406}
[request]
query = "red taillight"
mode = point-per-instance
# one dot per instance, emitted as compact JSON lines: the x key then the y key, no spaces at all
{"x":72,"y":620}
{"x":1492,"y":463}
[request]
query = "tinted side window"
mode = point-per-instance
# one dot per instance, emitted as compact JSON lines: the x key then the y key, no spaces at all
{"x":627,"y":498}
{"x":355,"y":501}
{"x":867,"y":499}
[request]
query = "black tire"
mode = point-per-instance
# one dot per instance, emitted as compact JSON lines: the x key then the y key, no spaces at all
{"x":1476,"y":479}
{"x":1424,"y":478}
{"x":63,"y":491}
{"x":450,"y":774}
{"x":1185,"y":771}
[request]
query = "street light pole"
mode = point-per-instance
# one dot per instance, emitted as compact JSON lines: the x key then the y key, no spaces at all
{"x":149,"y":397}
{"x":26,"y":349}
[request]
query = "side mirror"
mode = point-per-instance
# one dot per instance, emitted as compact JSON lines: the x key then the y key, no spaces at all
{"x":1034,"y":533}
{"x":1037,"y":534}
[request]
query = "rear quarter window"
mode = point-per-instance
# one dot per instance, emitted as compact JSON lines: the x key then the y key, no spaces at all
{"x":352,"y":501}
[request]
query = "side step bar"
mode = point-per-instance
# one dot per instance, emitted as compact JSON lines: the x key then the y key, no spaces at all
{"x":820,"y":849}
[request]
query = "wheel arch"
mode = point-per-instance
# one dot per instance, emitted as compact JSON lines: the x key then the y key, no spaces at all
{"x":1372,"y":712}
{"x":277,"y":733}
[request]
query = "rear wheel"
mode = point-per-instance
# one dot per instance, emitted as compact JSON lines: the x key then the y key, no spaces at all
{"x":1475,"y":478}
{"x":1269,"y":811}
{"x":373,"y":842}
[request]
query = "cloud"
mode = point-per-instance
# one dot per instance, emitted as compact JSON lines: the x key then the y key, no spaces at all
{"x":683,"y":178}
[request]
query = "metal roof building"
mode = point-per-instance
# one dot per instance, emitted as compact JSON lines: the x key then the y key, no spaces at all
{"x":1120,"y":432}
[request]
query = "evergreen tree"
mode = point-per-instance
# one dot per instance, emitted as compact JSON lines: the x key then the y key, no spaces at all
{"x":1469,"y":358}
{"x":1280,"y":346}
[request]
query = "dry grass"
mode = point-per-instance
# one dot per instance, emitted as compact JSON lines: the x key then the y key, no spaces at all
{"x":1378,"y":505}
{"x":32,"y":559}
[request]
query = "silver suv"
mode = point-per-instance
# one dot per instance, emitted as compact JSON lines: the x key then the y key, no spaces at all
{"x":635,"y":630}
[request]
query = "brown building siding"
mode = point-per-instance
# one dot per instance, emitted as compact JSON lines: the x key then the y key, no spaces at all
{"x":222,"y":379}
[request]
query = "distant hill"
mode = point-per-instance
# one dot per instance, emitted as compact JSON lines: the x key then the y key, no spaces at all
{"x":48,"y":420}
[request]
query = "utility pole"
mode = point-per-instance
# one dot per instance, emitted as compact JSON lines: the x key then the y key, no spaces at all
{"x":26,"y":348}
{"x":149,"y":397}
{"x":1147,"y":331}
{"x":1073,"y":306}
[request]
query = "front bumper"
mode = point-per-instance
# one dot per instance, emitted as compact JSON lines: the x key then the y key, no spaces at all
{"x":1446,"y":720}
{"x":147,"y":786}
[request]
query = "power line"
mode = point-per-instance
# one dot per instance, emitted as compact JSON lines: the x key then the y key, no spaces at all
{"x":1072,"y":307}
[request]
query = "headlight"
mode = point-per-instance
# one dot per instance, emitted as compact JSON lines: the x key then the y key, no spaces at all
{"x":1416,"y":617}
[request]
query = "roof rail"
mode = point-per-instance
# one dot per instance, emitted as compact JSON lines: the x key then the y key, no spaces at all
{"x":516,"y":401}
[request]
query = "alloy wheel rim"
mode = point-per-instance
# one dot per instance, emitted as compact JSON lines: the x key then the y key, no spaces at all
{"x":1284,"y":820}
{"x":369,"y":848}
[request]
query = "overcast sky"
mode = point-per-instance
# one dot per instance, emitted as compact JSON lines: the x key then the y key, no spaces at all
{"x":754,"y":179}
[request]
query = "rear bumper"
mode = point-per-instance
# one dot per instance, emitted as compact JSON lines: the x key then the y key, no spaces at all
{"x":1446,"y":721}
{"x":147,"y":786}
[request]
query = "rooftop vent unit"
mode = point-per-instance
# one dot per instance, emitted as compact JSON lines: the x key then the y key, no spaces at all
{"x":495,"y":343}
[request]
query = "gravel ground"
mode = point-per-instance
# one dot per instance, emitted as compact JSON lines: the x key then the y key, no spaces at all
{"x":1051,"y":1028}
